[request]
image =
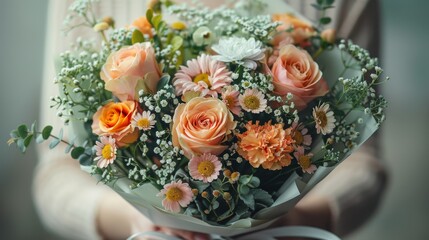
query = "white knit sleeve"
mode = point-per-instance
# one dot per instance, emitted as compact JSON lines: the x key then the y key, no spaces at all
{"x":65,"y":197}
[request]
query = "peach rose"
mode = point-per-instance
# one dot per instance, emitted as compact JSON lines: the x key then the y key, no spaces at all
{"x":130,"y":69}
{"x":302,"y":30}
{"x":296,"y":72}
{"x":143,"y":25}
{"x":329,"y":35}
{"x":114,"y":119}
{"x":201,"y":126}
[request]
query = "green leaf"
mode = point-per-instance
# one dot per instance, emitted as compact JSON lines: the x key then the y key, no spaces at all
{"x":201,"y":186}
{"x":156,"y":20}
{"x":149,"y":15}
{"x":254,"y":182}
{"x":14,"y":133}
{"x":249,"y":200}
{"x":21,"y":145}
{"x":318,"y":7}
{"x":33,"y":127}
{"x":176,"y":43}
{"x":245,"y":179}
{"x":262,"y":197}
{"x":85,"y":160}
{"x":46,"y":132}
{"x":325,"y":20}
{"x":76,"y":152}
{"x":137,"y":37}
{"x":40,"y":139}
{"x":243,"y":189}
{"x":163,"y":81}
{"x":54,"y":143}
{"x":27,"y":140}
{"x":22,"y":131}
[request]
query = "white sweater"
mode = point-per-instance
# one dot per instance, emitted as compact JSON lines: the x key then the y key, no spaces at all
{"x":67,"y":198}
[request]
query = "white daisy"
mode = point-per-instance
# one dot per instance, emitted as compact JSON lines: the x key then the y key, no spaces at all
{"x":325,"y":119}
{"x":243,"y":51}
{"x":143,"y":121}
{"x":105,"y":151}
{"x":253,"y":101}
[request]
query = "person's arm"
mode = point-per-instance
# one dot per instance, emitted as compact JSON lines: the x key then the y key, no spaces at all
{"x":348,"y":196}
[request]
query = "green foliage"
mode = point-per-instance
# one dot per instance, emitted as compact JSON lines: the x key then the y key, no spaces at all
{"x":137,"y":37}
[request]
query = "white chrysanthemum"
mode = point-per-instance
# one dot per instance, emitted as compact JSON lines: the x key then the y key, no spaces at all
{"x":239,"y":50}
{"x":325,"y":119}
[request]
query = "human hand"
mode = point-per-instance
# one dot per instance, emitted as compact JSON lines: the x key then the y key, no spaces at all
{"x":312,"y":212}
{"x":117,"y":219}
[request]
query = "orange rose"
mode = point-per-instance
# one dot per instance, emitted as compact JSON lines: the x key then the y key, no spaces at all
{"x":130,"y":69}
{"x":301,"y":30}
{"x":143,"y":25}
{"x":201,"y":126}
{"x":114,"y":119}
{"x":296,"y":72}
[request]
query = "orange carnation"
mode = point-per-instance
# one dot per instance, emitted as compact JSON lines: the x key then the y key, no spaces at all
{"x":114,"y":119}
{"x":301,"y":30}
{"x":268,"y":145}
{"x":143,"y":25}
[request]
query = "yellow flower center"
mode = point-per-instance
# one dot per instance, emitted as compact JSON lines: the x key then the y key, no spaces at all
{"x":178,"y":25}
{"x":298,"y":137}
{"x":322,"y":119}
{"x":107,"y":151}
{"x":143,"y":123}
{"x":304,"y":161}
{"x":229,"y":101}
{"x":174,"y":194}
{"x":206,"y":168}
{"x":251,"y":102}
{"x":202,"y":77}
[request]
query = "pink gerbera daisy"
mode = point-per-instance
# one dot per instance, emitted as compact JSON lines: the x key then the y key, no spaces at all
{"x":204,"y":75}
{"x":253,"y":101}
{"x":176,"y":194}
{"x":304,"y":160}
{"x":105,"y":151}
{"x":205,"y":167}
{"x":230,"y":98}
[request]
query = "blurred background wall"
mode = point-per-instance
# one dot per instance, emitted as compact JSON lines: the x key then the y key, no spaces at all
{"x":403,"y":214}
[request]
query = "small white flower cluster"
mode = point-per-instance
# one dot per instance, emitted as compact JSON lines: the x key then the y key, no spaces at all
{"x":118,"y":38}
{"x":168,"y":58}
{"x":331,"y":156}
{"x":346,"y":134}
{"x":169,"y":156}
{"x":359,"y":53}
{"x":79,"y":82}
{"x":259,"y":27}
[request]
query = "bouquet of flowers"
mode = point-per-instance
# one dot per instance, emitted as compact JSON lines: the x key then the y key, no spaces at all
{"x":216,"y":122}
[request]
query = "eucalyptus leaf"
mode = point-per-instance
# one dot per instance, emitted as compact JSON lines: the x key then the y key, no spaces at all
{"x":215,"y":205}
{"x":263,"y":197}
{"x":245,"y":179}
{"x":54,"y":143}
{"x":77,"y":152}
{"x":85,"y":160}
{"x":39,"y":139}
{"x":254,"y":182}
{"x":46,"y":132}
{"x":21,"y":145}
{"x":27,"y":140}
{"x":325,"y":20}
{"x":22,"y":131}
{"x":243,"y":189}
